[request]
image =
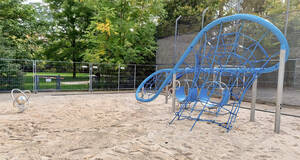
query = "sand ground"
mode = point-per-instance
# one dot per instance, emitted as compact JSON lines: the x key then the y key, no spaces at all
{"x":116,"y":126}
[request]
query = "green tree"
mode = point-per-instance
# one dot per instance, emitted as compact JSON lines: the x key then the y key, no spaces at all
{"x":70,"y":21}
{"x":17,"y":24}
{"x":123,"y":31}
{"x":37,"y":37}
{"x":191,"y":12}
{"x":275,"y":12}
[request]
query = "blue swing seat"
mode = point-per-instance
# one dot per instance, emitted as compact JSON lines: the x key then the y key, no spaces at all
{"x":204,"y":98}
{"x":182,"y":97}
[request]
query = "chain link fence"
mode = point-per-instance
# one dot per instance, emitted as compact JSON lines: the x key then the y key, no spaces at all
{"x":38,"y":75}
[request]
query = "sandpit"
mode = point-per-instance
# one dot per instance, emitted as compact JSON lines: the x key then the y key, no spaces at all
{"x":116,"y":126}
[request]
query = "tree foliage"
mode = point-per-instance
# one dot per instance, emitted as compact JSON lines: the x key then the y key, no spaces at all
{"x":116,"y":31}
{"x":275,"y":12}
{"x":19,"y":30}
{"x":123,"y":31}
{"x":71,"y":19}
{"x":191,"y":12}
{"x":20,"y":33}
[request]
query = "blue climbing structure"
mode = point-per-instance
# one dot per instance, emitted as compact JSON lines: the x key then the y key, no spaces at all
{"x":222,"y":62}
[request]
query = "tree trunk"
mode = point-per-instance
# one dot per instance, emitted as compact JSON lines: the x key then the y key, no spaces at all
{"x":74,"y":69}
{"x":74,"y":57}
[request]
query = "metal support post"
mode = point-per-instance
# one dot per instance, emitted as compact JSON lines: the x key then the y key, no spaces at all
{"x":90,"y":77}
{"x":173,"y":93}
{"x":253,"y":101}
{"x":166,"y":98}
{"x":279,"y":91}
{"x":37,"y":81}
{"x":287,"y":18}
{"x":175,"y":39}
{"x":281,"y":77}
{"x":58,"y":82}
{"x":34,"y":76}
{"x":119,"y":78}
{"x":203,"y":15}
{"x":174,"y":59}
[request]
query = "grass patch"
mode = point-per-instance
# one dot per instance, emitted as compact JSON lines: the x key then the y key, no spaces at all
{"x":65,"y":77}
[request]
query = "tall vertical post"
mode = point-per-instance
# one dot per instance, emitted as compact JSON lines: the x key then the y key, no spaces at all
{"x":167,"y":92}
{"x":134,"y":77}
{"x":238,"y":6}
{"x":119,"y":78}
{"x":34,"y":76}
{"x":174,"y":61}
{"x":287,"y":17}
{"x":279,"y":91}
{"x":173,"y":93}
{"x":253,"y":101}
{"x":203,"y":15}
{"x":90,"y":77}
{"x":175,"y":39}
{"x":281,"y":76}
{"x":166,"y":98}
{"x":58,"y":82}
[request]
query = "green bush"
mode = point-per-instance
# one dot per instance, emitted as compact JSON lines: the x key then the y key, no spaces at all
{"x":11,"y":76}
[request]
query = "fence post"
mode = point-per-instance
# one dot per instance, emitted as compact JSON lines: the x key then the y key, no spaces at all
{"x":253,"y":101}
{"x":58,"y":82}
{"x":134,"y":77}
{"x":167,"y":92}
{"x":90,"y":77}
{"x":173,"y":93}
{"x":119,"y":78}
{"x":175,"y":39}
{"x":34,"y":76}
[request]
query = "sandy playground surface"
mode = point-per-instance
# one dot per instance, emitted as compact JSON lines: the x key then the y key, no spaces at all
{"x":116,"y":126}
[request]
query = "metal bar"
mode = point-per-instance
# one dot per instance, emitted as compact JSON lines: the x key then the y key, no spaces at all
{"x":37,"y":82}
{"x":203,"y":15}
{"x":119,"y":78}
{"x":287,"y":17}
{"x":134,"y":77}
{"x":281,"y":76}
{"x":35,"y":78}
{"x":238,"y":6}
{"x":166,"y":98}
{"x":90,"y":77}
{"x":174,"y":59}
{"x":58,"y":82}
{"x":253,"y":101}
{"x":175,"y":39}
{"x":173,"y":93}
{"x":167,"y":92}
{"x":279,"y":91}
